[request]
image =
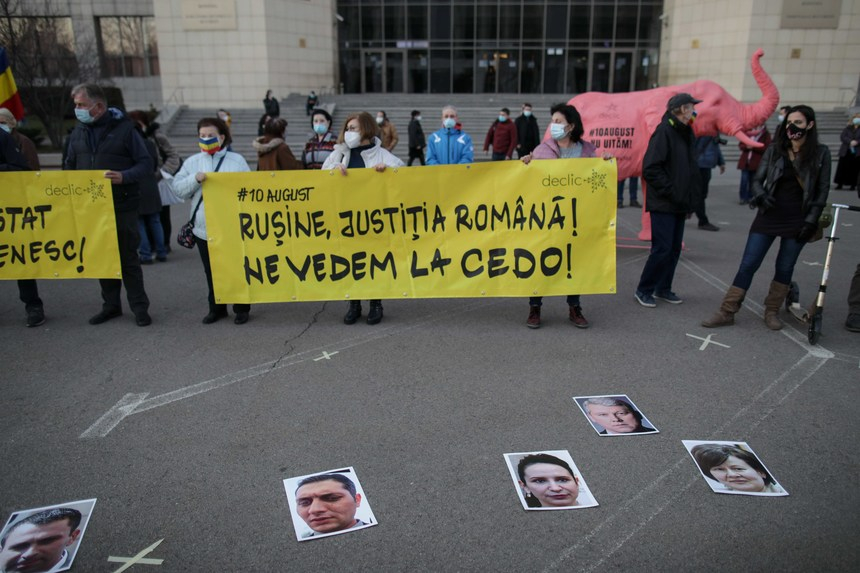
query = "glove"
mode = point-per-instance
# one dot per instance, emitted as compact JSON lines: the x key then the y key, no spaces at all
{"x":763,"y":201}
{"x":807,"y":231}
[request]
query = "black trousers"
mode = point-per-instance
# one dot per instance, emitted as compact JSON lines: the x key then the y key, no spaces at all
{"x":415,"y":153}
{"x":203,"y":248}
{"x":128,"y":239}
{"x":29,"y":293}
{"x":165,"y":224}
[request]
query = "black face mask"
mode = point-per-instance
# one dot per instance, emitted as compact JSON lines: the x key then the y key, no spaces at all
{"x":795,"y":132}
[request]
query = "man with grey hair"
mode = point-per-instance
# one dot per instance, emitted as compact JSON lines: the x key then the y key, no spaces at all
{"x":106,"y":139}
{"x":615,"y":416}
{"x":450,"y":145}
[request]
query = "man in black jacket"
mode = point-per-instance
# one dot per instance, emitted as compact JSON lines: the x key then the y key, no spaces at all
{"x":11,"y":159}
{"x":528,"y":132}
{"x":106,"y":139}
{"x":417,"y":141}
{"x":671,"y":173}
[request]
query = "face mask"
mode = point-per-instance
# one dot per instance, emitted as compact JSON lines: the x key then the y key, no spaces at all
{"x":856,"y":121}
{"x":449,"y":122}
{"x":418,"y":117}
{"x":795,"y":132}
{"x":5,"y":128}
{"x":780,"y":118}
{"x":556,"y":130}
{"x":209,"y":145}
{"x":84,"y":115}
{"x":527,"y":113}
{"x":502,"y":119}
{"x":379,"y":120}
{"x":320,"y":128}
{"x":352,"y":139}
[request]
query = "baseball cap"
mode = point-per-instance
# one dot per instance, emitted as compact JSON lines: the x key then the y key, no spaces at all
{"x":678,"y":100}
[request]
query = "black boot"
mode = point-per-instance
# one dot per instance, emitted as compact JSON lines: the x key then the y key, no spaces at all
{"x":353,"y":312}
{"x":374,"y":315}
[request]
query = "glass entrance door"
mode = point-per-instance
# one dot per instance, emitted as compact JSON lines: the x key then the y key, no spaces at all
{"x":611,"y":71}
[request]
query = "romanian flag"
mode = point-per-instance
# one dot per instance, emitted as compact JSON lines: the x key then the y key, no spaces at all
{"x":9,"y":96}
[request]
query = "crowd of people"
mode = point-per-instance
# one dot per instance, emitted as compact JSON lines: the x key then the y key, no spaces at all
{"x":787,"y":181}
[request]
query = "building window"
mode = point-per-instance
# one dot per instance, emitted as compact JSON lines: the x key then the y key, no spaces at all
{"x":49,"y":40}
{"x":128,"y":46}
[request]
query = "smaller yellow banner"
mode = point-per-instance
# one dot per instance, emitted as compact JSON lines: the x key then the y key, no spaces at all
{"x":57,"y":225}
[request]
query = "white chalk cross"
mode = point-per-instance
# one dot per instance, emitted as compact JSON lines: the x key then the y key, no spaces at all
{"x":325,"y":356}
{"x":706,"y":341}
{"x":139,"y":559}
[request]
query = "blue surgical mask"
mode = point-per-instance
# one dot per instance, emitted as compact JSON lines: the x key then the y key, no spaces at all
{"x":449,"y":122}
{"x":856,"y":121}
{"x":5,"y":128}
{"x":780,"y":118}
{"x":527,"y":113}
{"x":502,"y":119}
{"x":320,"y":128}
{"x":84,"y":115}
{"x":557,"y":132}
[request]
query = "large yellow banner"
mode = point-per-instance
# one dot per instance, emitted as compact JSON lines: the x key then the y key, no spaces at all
{"x":57,"y":225}
{"x":492,"y":229}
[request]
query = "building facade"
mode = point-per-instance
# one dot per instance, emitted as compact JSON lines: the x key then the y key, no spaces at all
{"x":227,"y":53}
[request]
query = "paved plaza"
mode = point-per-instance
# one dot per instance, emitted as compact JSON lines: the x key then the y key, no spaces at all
{"x":184,"y":432}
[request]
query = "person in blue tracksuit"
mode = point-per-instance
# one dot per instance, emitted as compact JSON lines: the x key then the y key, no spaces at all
{"x":450,"y":145}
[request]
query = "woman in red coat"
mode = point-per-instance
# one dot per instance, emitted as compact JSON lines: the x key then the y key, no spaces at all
{"x":749,"y":160}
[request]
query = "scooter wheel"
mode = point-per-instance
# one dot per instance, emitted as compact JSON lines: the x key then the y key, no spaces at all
{"x":814,"y":332}
{"x":793,"y":295}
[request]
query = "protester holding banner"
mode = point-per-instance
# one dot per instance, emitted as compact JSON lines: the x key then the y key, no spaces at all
{"x":358,"y":146}
{"x":450,"y":145}
{"x":566,"y":142}
{"x":9,"y":124}
{"x":12,"y":159}
{"x":106,"y":139}
{"x":321,"y":143}
{"x":213,"y":140}
{"x":790,"y":191}
{"x":272,"y":153}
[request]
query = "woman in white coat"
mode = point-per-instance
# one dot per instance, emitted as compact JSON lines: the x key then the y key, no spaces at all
{"x":214,"y":139}
{"x":358,"y":146}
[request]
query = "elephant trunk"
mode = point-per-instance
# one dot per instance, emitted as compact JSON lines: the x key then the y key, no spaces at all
{"x":757,"y":113}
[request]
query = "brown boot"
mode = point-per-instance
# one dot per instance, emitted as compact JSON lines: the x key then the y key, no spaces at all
{"x":730,"y":305}
{"x":775,"y":298}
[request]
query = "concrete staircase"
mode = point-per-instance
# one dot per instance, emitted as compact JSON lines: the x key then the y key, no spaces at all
{"x":477,"y":112}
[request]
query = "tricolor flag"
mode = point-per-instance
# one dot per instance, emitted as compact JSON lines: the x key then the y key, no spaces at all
{"x":9,"y":96}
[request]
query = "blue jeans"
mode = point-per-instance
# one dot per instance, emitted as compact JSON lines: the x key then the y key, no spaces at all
{"x":634,"y":188}
{"x":757,"y":247}
{"x":153,"y":222}
{"x":572,"y":300}
{"x":667,"y":238}
{"x":745,"y":190}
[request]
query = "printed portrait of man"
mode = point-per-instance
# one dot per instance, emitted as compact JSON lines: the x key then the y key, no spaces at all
{"x":40,"y":542}
{"x":614,"y":415}
{"x":327,"y":503}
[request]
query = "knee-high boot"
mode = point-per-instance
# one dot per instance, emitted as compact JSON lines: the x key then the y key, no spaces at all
{"x":731,"y":304}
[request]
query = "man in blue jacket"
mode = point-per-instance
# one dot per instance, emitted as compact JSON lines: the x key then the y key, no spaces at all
{"x":450,"y":145}
{"x":708,"y":155}
{"x":105,"y":139}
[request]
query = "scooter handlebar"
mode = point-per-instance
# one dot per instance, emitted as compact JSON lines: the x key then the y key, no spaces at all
{"x":848,"y":207}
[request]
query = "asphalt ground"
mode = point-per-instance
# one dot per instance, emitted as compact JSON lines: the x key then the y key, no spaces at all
{"x":424,"y":406}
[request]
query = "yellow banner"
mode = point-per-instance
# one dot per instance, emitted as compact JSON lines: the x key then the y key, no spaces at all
{"x":491,"y":229}
{"x":57,"y":225}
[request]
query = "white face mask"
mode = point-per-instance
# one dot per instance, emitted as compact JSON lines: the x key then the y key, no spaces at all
{"x":379,"y":120}
{"x":418,"y":117}
{"x":5,"y":128}
{"x":780,"y":118}
{"x":557,"y":131}
{"x":352,"y":139}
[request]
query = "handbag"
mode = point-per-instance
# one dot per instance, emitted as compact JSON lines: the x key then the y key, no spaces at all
{"x":186,"y":237}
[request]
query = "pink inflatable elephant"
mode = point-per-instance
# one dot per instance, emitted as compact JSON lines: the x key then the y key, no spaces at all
{"x":621,"y":124}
